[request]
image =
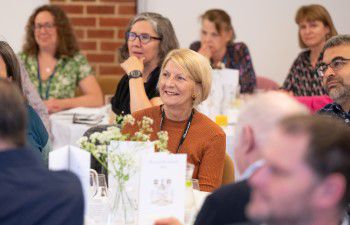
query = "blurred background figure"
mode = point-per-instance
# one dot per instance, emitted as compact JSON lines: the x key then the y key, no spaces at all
{"x":217,"y":44}
{"x":315,"y":28}
{"x":37,"y":136}
{"x":148,"y":39}
{"x":185,"y":82}
{"x":55,"y":66}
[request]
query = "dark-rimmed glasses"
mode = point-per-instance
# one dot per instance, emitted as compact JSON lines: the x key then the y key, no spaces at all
{"x":144,"y":38}
{"x":47,"y":26}
{"x":336,"y":64}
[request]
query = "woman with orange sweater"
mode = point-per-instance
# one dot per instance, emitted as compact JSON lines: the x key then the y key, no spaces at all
{"x":184,"y":82}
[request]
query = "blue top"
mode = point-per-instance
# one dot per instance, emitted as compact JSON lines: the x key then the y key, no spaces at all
{"x":37,"y":136}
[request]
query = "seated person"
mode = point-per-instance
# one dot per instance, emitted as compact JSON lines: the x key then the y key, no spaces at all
{"x":227,"y":204}
{"x":148,"y":39}
{"x":315,"y":28}
{"x":55,"y":66}
{"x":30,"y":194}
{"x":37,"y":136}
{"x":335,"y":72}
{"x":184,"y":82}
{"x":217,"y":36}
{"x":33,"y":98}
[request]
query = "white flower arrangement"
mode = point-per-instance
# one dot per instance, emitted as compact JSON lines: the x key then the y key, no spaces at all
{"x":98,"y":142}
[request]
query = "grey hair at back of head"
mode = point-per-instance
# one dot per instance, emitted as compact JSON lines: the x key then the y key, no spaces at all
{"x":338,"y":40}
{"x":263,"y":111}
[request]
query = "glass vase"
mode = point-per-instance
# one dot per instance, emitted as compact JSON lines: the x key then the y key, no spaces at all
{"x":123,"y":206}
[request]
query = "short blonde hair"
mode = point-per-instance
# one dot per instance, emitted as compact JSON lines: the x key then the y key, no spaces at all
{"x":198,"y":69}
{"x":315,"y":12}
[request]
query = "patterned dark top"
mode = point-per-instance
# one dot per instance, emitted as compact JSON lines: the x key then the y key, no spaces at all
{"x":237,"y":57}
{"x":303,"y":79}
{"x":335,"y":110}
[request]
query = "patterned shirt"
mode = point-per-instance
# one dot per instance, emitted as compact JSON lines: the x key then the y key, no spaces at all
{"x":237,"y":56}
{"x":68,"y":73}
{"x":303,"y":79}
{"x":335,"y":110}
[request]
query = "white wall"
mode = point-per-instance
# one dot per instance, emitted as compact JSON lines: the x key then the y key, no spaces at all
{"x":266,"y":26}
{"x":14,"y":15}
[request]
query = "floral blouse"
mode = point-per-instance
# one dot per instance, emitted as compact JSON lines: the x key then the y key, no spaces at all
{"x":68,"y":73}
{"x":237,"y":56}
{"x":303,"y":79}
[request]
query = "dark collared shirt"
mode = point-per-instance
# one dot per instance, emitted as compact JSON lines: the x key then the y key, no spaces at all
{"x":335,"y":110}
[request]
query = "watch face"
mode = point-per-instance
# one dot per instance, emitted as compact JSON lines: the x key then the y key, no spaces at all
{"x":135,"y":74}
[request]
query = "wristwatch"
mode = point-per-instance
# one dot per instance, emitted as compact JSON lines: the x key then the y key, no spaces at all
{"x":135,"y":74}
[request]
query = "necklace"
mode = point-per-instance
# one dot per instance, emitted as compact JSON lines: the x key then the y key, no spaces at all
{"x":184,"y":132}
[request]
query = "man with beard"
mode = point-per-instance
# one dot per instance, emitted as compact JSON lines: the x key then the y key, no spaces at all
{"x":335,"y":72}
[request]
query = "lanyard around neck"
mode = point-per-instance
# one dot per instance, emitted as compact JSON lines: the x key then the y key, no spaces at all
{"x":184,"y":134}
{"x":40,"y":88}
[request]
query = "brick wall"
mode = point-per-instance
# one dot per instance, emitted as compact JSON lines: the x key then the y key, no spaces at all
{"x":99,"y":26}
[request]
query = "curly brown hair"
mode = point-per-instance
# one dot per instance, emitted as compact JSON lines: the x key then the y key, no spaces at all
{"x":67,"y":43}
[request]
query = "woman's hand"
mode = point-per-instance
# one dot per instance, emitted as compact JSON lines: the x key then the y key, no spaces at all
{"x":132,"y":63}
{"x":53,"y":105}
{"x":205,"y":51}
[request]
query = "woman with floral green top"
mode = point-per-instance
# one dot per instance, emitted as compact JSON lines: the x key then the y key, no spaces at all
{"x":55,"y":66}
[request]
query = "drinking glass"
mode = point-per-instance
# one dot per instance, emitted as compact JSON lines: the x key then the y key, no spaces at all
{"x":195,"y":184}
{"x":93,"y":188}
{"x":98,"y":206}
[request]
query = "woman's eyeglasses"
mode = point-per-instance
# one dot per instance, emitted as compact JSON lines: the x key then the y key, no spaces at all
{"x":144,"y":38}
{"x":46,"y":26}
{"x":336,"y":64}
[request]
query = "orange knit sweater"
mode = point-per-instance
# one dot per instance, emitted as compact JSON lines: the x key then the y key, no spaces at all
{"x":204,"y":144}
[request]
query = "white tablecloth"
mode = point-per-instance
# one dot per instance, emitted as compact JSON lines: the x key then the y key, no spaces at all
{"x":199,"y":198}
{"x":65,"y":132}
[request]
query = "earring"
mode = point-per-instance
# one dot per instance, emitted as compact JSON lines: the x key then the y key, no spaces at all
{"x":194,"y":97}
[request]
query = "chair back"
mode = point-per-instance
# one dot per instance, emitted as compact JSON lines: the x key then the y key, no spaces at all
{"x":314,"y":103}
{"x":108,"y":84}
{"x":229,"y":171}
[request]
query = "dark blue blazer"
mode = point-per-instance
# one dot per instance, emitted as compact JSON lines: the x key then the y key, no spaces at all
{"x":226,"y":205}
{"x":31,"y":194}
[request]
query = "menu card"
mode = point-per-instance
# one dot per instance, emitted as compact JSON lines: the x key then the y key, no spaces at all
{"x":75,"y":160}
{"x":162,"y":187}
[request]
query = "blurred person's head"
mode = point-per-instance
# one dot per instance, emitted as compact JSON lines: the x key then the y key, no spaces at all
{"x":315,"y":26}
{"x":217,"y":30}
{"x":185,"y":79}
{"x":49,"y":28}
{"x":9,"y":66}
{"x":12,"y":116}
{"x":151,"y":36}
{"x":335,"y":68}
{"x":258,"y":116}
{"x":306,"y":175}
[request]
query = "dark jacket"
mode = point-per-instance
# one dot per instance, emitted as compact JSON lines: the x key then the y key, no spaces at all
{"x":30,"y":194}
{"x":225,"y":206}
